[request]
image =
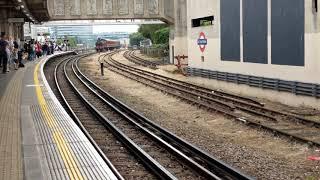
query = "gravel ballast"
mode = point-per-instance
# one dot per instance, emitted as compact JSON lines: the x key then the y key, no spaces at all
{"x":255,"y":152}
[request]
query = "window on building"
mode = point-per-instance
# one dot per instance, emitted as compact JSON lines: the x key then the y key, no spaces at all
{"x":315,"y":5}
{"x":204,"y":21}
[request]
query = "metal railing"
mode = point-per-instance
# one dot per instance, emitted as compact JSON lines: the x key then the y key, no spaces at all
{"x":295,"y":87}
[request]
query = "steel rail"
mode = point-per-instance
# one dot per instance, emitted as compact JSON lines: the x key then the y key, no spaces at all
{"x":200,"y":95}
{"x":197,"y":167}
{"x":235,"y":116}
{"x":146,"y":159}
{"x":196,"y":96}
{"x":203,"y":89}
{"x":144,"y":123}
{"x":83,"y":129}
{"x":142,"y":62}
{"x":132,"y":54}
{"x":240,"y":104}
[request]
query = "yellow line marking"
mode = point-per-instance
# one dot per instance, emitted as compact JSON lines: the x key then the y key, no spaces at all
{"x":64,"y":149}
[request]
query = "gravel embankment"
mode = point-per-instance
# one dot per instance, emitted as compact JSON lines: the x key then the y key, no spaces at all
{"x":255,"y":152}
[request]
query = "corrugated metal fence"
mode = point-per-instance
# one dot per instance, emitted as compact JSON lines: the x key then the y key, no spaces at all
{"x":298,"y":88}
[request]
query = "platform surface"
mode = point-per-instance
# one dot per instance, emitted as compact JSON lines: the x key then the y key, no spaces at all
{"x":38,"y":138}
{"x":11,"y":162}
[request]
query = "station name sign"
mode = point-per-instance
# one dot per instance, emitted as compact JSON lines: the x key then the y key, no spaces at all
{"x":202,"y":42}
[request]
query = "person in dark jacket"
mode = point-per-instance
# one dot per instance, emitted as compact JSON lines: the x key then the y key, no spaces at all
{"x":3,"y":53}
{"x":51,"y":47}
{"x":20,"y":57}
{"x":45,"y":49}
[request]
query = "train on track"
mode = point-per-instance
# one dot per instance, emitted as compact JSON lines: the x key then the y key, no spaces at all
{"x":105,"y":45}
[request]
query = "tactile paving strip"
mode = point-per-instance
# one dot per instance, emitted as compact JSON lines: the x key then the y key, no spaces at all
{"x":66,"y":150}
{"x":11,"y":161}
{"x":87,"y":160}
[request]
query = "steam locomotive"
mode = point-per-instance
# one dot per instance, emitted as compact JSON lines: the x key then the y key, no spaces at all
{"x":104,"y":45}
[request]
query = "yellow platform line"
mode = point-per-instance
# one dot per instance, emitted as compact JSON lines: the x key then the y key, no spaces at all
{"x":64,"y":150}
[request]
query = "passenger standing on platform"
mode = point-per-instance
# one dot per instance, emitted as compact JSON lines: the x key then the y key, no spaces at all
{"x":52,"y":44}
{"x":14,"y":57}
{"x":3,"y":54}
{"x":38,"y":49}
{"x":25,"y":47}
{"x":29,"y":50}
{"x":20,"y":57}
{"x":45,"y":48}
{"x":32,"y":52}
{"x":9,"y":49}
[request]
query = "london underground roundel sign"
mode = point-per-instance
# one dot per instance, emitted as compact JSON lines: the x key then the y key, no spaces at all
{"x":202,"y":42}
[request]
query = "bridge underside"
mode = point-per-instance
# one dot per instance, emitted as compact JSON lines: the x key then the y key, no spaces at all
{"x":38,"y":9}
{"x":111,"y":9}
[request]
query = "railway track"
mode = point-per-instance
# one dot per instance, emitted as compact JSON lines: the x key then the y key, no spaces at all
{"x":140,"y":61}
{"x":151,"y":151}
{"x":240,"y":108}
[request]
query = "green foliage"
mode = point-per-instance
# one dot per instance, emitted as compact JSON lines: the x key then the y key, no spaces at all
{"x":59,"y":41}
{"x":147,"y":30}
{"x":160,"y":46}
{"x":311,"y":178}
{"x":72,"y":41}
{"x":46,"y":34}
{"x":161,"y":36}
{"x":158,"y":33}
{"x":205,"y":23}
{"x":135,"y":38}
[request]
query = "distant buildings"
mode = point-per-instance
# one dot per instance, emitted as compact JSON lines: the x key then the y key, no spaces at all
{"x":83,"y":33}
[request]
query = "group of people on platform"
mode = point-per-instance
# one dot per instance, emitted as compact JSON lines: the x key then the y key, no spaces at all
{"x":9,"y":53}
{"x":35,"y":49}
{"x":12,"y":53}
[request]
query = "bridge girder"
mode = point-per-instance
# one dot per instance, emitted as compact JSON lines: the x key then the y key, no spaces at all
{"x":111,"y":9}
{"x":38,"y":8}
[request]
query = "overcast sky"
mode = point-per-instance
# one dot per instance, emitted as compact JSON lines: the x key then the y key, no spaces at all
{"x":115,"y":28}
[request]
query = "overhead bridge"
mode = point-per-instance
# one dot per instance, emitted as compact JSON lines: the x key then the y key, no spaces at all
{"x":111,"y":9}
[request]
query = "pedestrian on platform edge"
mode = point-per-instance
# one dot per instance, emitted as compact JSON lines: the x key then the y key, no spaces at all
{"x":3,"y":53}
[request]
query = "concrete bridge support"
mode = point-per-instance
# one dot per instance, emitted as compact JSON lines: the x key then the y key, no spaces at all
{"x":179,"y":31}
{"x":12,"y":29}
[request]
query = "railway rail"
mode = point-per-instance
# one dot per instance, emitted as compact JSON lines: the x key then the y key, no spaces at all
{"x":162,"y":154}
{"x":130,"y":54}
{"x":140,"y":61}
{"x":240,"y":108}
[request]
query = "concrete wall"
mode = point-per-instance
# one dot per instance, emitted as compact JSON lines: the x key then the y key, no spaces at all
{"x":111,"y":9}
{"x":308,"y":73}
{"x":179,"y":31}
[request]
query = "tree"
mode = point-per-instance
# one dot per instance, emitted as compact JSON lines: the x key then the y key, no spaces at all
{"x":59,"y":41}
{"x":148,"y":30}
{"x":161,"y":36}
{"x":46,"y":34}
{"x":135,"y":38}
{"x":72,"y":41}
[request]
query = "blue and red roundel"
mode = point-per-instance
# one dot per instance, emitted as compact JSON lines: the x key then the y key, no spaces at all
{"x":202,"y":42}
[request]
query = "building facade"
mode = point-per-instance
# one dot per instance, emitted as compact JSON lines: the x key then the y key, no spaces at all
{"x":265,"y":40}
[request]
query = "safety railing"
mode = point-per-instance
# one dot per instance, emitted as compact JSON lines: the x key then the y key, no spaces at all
{"x":295,"y":87}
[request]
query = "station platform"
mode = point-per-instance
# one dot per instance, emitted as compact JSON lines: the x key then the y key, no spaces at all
{"x":38,"y":138}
